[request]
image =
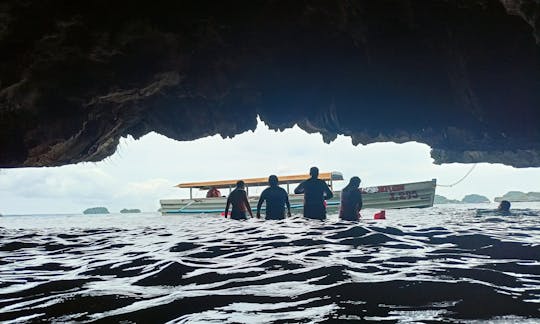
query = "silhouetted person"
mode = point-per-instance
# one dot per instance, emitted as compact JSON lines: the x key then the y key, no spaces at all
{"x":213,"y":192}
{"x":315,"y":192}
{"x":240,"y":204}
{"x":351,"y":201}
{"x":504,"y":207}
{"x":502,"y":210}
{"x":276,"y":200}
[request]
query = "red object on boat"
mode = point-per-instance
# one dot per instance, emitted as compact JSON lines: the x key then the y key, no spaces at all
{"x":380,"y":215}
{"x":223,"y":213}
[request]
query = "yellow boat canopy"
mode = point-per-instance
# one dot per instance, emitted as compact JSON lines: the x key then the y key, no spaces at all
{"x":326,"y":176}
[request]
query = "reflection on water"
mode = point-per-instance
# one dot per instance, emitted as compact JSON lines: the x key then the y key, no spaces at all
{"x":441,"y":263}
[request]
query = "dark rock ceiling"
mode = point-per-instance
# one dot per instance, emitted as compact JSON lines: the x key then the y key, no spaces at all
{"x":462,"y":76}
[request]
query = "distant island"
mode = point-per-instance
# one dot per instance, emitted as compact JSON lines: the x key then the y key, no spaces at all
{"x":468,"y":199}
{"x":518,"y":196}
{"x":443,"y":200}
{"x":130,"y":211}
{"x":475,"y":199}
{"x":96,"y":210}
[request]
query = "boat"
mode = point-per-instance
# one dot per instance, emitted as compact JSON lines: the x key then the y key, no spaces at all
{"x":405,"y":195}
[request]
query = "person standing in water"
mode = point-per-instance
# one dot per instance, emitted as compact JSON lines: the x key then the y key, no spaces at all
{"x":315,"y":192}
{"x":239,"y":201}
{"x":351,"y":201}
{"x":276,"y":200}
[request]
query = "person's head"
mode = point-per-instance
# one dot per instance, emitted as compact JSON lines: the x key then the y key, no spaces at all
{"x":314,"y":172}
{"x":354,"y":183}
{"x":273,"y":180}
{"x":240,"y":184}
{"x":504,"y":205}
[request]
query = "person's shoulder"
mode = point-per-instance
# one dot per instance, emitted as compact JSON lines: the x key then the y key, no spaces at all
{"x":237,"y":192}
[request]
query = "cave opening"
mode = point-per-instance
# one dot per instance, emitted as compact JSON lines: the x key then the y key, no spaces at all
{"x":143,"y":171}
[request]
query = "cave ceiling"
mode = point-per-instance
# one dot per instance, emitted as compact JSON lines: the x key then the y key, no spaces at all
{"x":460,"y":76}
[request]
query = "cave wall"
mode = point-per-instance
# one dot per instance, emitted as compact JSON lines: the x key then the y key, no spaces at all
{"x":460,"y":76}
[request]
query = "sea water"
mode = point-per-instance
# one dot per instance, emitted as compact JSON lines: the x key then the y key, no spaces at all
{"x":443,"y":263}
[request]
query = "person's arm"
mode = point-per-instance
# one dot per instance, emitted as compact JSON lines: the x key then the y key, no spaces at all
{"x":327,"y":191}
{"x":246,"y":202}
{"x":360,"y":202}
{"x":288,"y":205}
{"x":227,"y":206}
{"x":300,"y":188}
{"x":259,"y":204}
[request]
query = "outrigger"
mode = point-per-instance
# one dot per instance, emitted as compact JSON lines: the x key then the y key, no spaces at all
{"x":406,"y":195}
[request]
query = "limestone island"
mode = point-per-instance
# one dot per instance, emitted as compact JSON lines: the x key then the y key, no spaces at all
{"x":518,"y":196}
{"x":475,"y":199}
{"x":443,"y":200}
{"x":96,"y":210}
{"x":468,"y":199}
{"x":130,"y":211}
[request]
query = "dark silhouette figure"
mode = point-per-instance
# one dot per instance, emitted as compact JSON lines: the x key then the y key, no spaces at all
{"x":504,"y":208}
{"x":240,"y":204}
{"x":351,"y":201}
{"x":315,"y":192}
{"x":213,"y":192}
{"x":276,"y":200}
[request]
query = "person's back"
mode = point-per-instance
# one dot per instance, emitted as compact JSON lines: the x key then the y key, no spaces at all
{"x":240,"y":204}
{"x":351,"y":201}
{"x":315,"y":192}
{"x":276,"y":198}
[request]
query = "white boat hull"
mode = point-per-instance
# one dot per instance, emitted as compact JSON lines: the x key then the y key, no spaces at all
{"x":407,"y":195}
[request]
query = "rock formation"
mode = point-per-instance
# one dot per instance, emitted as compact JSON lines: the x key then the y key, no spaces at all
{"x":475,"y":199}
{"x":130,"y":211}
{"x":96,"y":210}
{"x":460,"y":76}
{"x":518,"y":196}
{"x":439,"y":200}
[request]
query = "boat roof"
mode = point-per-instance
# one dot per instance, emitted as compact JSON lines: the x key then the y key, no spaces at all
{"x":326,"y":176}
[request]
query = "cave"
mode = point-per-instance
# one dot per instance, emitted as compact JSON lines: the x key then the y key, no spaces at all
{"x":461,"y":76}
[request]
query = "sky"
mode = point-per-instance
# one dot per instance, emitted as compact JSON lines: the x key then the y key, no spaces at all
{"x":143,"y":171}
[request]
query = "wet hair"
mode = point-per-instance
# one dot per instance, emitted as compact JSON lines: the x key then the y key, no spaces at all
{"x":273,"y":180}
{"x":504,"y":205}
{"x":353,"y":184}
{"x":240,"y":184}
{"x":314,"y":172}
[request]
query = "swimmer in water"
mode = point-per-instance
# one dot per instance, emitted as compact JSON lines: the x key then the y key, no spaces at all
{"x":504,"y":208}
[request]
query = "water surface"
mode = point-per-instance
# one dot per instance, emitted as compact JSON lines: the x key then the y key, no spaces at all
{"x":441,"y":263}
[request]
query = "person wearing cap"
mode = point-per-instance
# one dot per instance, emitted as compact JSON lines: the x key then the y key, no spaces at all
{"x":239,"y":201}
{"x":351,"y":201}
{"x":276,"y":199}
{"x":315,"y":191}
